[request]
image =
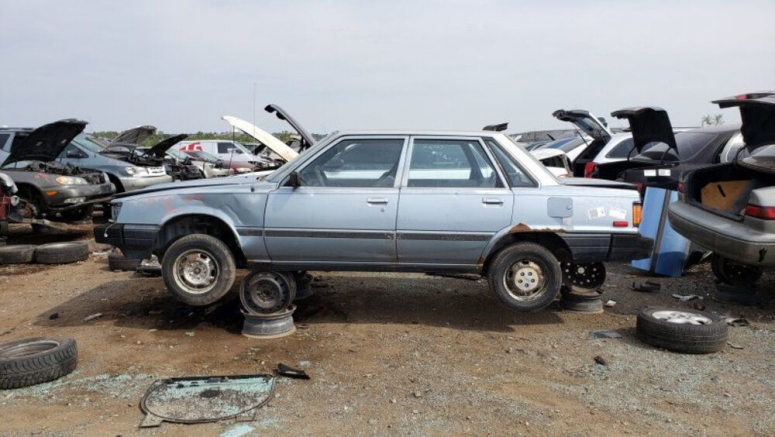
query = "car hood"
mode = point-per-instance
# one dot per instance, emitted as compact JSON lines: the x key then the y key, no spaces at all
{"x":263,"y":136}
{"x":46,"y":142}
{"x":160,"y":148}
{"x":236,"y":180}
{"x":136,"y":135}
{"x":585,"y":121}
{"x":648,"y":124}
{"x":282,"y":115}
{"x":757,"y":112}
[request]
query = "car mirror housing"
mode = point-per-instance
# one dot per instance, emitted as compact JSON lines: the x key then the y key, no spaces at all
{"x":74,"y":154}
{"x":294,"y":179}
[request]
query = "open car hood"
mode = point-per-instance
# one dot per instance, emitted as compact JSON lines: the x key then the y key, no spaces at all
{"x":757,"y":111}
{"x":262,"y":136}
{"x":136,"y":135}
{"x":307,"y":139}
{"x":648,"y":124}
{"x":585,"y":121}
{"x":159,"y":149}
{"x":46,"y":142}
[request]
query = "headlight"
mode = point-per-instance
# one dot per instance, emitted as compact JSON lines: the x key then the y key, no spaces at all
{"x":136,"y":171}
{"x":70,"y":180}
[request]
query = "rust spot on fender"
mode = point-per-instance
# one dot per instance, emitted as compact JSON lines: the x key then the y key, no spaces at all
{"x":521,"y":227}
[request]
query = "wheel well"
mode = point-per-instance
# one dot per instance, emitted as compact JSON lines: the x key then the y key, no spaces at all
{"x":32,"y":194}
{"x":117,"y":182}
{"x":198,"y":224}
{"x":549,"y":240}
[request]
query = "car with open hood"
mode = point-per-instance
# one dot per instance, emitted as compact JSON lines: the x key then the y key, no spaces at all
{"x":53,"y":189}
{"x":405,"y":201}
{"x":86,"y":151}
{"x":126,"y":149}
{"x":210,"y":165}
{"x":729,"y":208}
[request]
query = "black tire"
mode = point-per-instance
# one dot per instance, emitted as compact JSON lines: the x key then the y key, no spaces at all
{"x":734,"y":295}
{"x":17,"y":254}
{"x":264,"y":293}
{"x":516,"y":266}
{"x":62,"y":253}
{"x":211,"y":261}
{"x":667,"y":328}
{"x":734,"y":273}
{"x":36,"y":360}
{"x":119,"y":263}
{"x":3,"y":229}
{"x":581,"y":304}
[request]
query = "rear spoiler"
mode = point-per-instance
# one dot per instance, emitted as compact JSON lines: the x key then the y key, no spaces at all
{"x":496,"y":127}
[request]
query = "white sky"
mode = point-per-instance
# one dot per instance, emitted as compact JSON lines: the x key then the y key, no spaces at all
{"x":180,"y":65}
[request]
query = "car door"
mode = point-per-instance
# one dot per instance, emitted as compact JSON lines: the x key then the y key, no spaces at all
{"x":453,"y":201}
{"x":344,"y":210}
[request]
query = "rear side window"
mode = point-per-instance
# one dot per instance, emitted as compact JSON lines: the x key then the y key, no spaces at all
{"x":622,"y":150}
{"x":514,"y":173}
{"x":451,"y":163}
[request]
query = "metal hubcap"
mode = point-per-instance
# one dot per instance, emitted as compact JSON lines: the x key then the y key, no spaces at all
{"x":196,"y":271}
{"x":682,"y":318}
{"x":524,"y":280}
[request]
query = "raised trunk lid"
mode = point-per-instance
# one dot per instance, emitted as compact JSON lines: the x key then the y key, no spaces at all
{"x":648,"y":124}
{"x":585,"y":121}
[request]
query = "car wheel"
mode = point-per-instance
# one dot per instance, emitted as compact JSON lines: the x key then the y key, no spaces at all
{"x":62,"y":253}
{"x":681,"y":330}
{"x":734,"y":273}
{"x":525,"y":277}
{"x":17,"y":254}
{"x":36,"y":360}
{"x":589,"y":275}
{"x":267,"y":292}
{"x":198,"y":269}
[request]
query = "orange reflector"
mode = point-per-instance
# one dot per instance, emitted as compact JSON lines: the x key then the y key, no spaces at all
{"x":637,"y":214}
{"x":621,"y":224}
{"x":51,"y":193}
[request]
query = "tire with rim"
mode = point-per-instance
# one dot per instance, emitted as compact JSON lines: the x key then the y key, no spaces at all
{"x":17,"y":254}
{"x":682,"y":330}
{"x":198,"y":269}
{"x":264,"y":293}
{"x":525,"y":277}
{"x":62,"y":253}
{"x":588,"y":276}
{"x":734,"y":273}
{"x":36,"y":360}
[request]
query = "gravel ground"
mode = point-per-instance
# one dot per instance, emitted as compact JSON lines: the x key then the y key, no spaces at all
{"x":390,"y":355}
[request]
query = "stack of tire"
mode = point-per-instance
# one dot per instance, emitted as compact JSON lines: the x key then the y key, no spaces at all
{"x":52,"y":253}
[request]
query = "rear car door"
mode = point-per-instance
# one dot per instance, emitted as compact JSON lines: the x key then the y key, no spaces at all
{"x":345,"y":209}
{"x":453,"y":201}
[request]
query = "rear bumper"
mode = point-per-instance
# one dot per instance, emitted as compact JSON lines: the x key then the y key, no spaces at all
{"x":729,"y":238}
{"x":587,"y":248}
{"x":135,"y":241}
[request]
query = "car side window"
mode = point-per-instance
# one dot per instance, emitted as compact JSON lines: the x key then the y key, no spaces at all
{"x":622,"y":150}
{"x":227,"y":148}
{"x":371,"y":163}
{"x":3,"y":140}
{"x":451,"y":163}
{"x":514,"y":173}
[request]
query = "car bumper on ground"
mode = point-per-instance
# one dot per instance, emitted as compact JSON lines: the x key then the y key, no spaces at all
{"x":61,"y":198}
{"x":135,"y":241}
{"x":729,"y":238}
{"x":138,"y":183}
{"x":586,"y":248}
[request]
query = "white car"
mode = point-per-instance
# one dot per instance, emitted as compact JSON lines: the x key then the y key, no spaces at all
{"x":555,"y":160}
{"x":227,"y":150}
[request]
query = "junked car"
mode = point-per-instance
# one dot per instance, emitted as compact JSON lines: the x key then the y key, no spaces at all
{"x":420,"y":201}
{"x":52,"y":190}
{"x":153,"y":156}
{"x":210,"y":165}
{"x":556,"y":161}
{"x":10,"y":205}
{"x":730,"y":208}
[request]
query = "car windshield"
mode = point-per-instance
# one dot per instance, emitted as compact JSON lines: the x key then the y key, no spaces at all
{"x":565,"y":144}
{"x":89,"y":143}
{"x":207,"y":156}
{"x":177,"y":154}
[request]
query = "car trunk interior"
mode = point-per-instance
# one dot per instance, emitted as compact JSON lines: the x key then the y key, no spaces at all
{"x":587,"y":156}
{"x":725,"y":189}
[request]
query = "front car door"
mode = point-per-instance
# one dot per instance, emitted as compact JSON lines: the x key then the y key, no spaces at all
{"x":453,"y":201}
{"x":345,"y":210}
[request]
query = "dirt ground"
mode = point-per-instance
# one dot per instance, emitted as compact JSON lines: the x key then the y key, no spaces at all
{"x":388,"y":355}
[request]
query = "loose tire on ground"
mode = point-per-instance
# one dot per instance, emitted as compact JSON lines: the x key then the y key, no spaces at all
{"x":525,"y":277}
{"x":734,"y":273}
{"x":682,"y":330}
{"x":36,"y":360}
{"x":62,"y":253}
{"x":120,"y":263}
{"x":17,"y":254}
{"x":198,"y":269}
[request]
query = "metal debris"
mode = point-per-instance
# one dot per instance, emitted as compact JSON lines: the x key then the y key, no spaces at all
{"x":687,"y":297}
{"x":600,"y":360}
{"x":604,"y":334}
{"x":610,"y":303}
{"x":92,"y":317}
{"x":646,"y":286}
{"x":740,"y":321}
{"x":290,"y":372}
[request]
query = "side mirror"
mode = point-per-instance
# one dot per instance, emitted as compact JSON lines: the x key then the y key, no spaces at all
{"x":294,"y":180}
{"x":74,"y":154}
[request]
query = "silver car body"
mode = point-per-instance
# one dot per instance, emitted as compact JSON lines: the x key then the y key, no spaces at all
{"x":402,"y":223}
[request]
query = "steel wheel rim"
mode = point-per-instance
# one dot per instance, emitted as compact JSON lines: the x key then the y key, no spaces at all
{"x":681,"y":317}
{"x":524,"y":280}
{"x":590,"y":275}
{"x":196,"y":271}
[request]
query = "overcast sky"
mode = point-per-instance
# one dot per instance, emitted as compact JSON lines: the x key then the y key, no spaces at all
{"x":180,"y":65}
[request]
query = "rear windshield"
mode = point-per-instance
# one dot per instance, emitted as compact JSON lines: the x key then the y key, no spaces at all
{"x":690,"y":143}
{"x":566,"y":145}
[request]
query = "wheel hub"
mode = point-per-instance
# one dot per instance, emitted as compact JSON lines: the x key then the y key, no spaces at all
{"x":682,"y":318}
{"x":524,"y":279}
{"x":196,"y":271}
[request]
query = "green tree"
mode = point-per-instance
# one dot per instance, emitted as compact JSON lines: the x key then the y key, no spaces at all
{"x":713,"y":120}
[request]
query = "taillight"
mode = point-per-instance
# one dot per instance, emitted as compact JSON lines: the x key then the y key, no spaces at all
{"x":681,"y":187}
{"x":621,"y":224}
{"x":637,"y":213}
{"x":589,"y":169}
{"x":760,"y":212}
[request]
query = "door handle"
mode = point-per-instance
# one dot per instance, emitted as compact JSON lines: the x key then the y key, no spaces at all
{"x":377,"y":200}
{"x":492,"y":201}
